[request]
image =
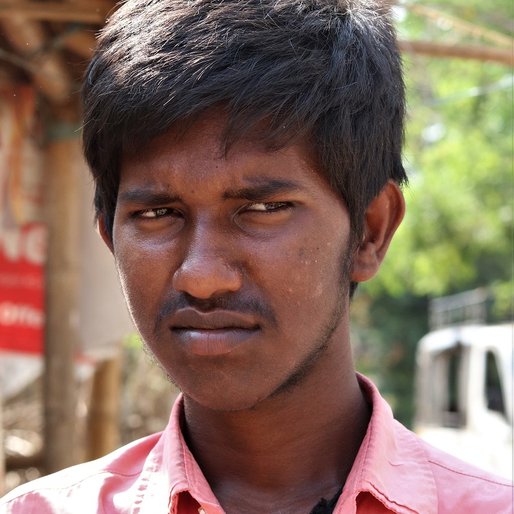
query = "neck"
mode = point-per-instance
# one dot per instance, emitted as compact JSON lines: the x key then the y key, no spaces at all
{"x":303,"y":440}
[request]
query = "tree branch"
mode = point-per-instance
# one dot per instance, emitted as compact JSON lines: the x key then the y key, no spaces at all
{"x":476,"y":52}
{"x":462,"y":25}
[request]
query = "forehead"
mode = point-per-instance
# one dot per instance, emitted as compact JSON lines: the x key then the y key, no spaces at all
{"x":200,"y":156}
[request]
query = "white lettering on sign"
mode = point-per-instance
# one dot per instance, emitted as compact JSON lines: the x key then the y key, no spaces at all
{"x":20,"y":314}
{"x":29,"y":244}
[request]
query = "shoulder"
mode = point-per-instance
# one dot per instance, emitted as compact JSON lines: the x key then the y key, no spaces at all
{"x":462,"y":487}
{"x":84,"y":487}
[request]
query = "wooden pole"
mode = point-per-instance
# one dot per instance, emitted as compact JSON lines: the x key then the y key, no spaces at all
{"x":62,"y":279}
{"x":475,"y":52}
{"x":103,"y":417}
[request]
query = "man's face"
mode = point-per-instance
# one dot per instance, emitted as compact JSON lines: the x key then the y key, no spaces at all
{"x":235,"y":267}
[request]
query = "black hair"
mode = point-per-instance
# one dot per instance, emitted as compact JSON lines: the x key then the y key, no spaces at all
{"x":327,"y":70}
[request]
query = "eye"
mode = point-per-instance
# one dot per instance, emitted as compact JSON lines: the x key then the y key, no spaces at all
{"x":154,"y":213}
{"x":268,"y":207}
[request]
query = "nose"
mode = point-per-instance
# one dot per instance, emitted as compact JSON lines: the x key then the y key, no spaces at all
{"x":207,"y":269}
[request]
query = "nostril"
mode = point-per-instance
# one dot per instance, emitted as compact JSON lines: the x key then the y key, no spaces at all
{"x":222,"y":302}
{"x":207,"y":277}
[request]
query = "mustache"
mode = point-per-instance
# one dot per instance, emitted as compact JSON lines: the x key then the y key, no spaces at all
{"x":240,"y":303}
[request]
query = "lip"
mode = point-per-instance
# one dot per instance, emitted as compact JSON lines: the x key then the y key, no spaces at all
{"x":212,"y":333}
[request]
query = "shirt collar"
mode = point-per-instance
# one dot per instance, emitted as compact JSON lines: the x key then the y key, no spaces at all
{"x":391,"y":465}
{"x":183,"y":472}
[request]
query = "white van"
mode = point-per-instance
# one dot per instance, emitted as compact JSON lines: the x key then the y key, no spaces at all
{"x":464,"y":393}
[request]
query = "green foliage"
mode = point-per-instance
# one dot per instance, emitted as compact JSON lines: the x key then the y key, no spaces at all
{"x":458,"y":231}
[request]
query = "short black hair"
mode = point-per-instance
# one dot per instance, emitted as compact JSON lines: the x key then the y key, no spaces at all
{"x":328,"y":70}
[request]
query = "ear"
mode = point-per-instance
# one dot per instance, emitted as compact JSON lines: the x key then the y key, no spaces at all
{"x":104,"y":232}
{"x":383,"y":216}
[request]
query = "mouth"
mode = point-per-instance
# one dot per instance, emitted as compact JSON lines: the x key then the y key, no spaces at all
{"x":212,"y":333}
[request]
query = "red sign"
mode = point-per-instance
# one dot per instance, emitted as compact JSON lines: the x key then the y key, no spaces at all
{"x":22,"y":256}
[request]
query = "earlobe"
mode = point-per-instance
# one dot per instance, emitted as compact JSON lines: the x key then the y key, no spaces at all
{"x":383,"y":216}
{"x":105,"y":234}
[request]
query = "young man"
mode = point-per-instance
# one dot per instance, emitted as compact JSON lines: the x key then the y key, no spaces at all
{"x":247,"y":159}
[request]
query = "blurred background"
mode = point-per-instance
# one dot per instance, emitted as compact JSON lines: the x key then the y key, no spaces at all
{"x":434,"y":329}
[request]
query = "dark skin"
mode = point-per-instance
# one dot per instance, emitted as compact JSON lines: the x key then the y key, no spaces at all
{"x":236,"y":270}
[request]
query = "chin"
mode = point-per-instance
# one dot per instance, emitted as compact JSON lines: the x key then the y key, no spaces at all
{"x":223,"y":400}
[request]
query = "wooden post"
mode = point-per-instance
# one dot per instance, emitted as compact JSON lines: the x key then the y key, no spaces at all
{"x":62,"y":278}
{"x":103,"y":417}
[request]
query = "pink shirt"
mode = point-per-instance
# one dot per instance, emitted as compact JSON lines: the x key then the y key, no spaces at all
{"x":394,"y":472}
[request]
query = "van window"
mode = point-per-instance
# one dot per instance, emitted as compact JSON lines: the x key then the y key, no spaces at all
{"x":454,"y":359}
{"x":493,"y":387}
{"x":446,"y":385}
{"x":454,"y":416}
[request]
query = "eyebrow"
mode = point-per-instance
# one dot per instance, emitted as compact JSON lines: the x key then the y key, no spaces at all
{"x":146,"y":197}
{"x":262,"y":190}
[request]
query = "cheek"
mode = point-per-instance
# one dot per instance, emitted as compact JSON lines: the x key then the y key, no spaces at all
{"x":143,"y":275}
{"x":309,"y":274}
